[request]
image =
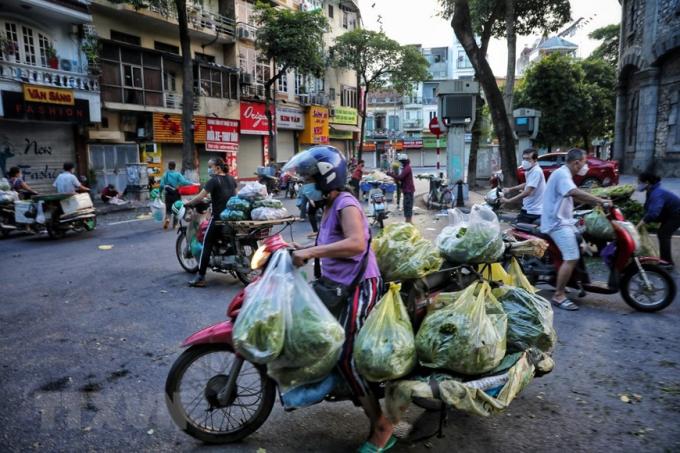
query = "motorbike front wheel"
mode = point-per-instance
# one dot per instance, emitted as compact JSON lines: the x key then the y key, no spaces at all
{"x":657,"y":296}
{"x":184,"y":256}
{"x":191,"y":394}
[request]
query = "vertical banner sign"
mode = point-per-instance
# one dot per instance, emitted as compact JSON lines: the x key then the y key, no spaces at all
{"x":265,"y":150}
{"x":230,"y":159}
{"x":221,"y":135}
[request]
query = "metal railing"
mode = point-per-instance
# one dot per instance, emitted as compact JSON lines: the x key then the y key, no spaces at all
{"x":38,"y":75}
{"x":252,"y":91}
{"x":200,"y":18}
{"x":413,"y":124}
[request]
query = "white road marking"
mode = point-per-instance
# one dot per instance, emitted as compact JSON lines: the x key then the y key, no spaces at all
{"x":127,"y":221}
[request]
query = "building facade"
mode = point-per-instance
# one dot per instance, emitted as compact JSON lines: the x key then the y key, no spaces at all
{"x":647,"y":131}
{"x":48,"y":95}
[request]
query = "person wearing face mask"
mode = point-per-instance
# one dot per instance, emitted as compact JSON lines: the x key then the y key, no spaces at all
{"x":661,"y":206}
{"x":531,"y":191}
{"x":221,"y":187}
{"x":557,"y":219}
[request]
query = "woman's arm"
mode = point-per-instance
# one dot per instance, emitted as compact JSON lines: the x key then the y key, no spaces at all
{"x":353,"y":244}
{"x":27,"y":188}
{"x":201,"y":195}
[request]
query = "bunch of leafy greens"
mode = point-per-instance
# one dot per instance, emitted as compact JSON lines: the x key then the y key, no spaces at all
{"x":616,"y":193}
{"x":259,"y":332}
{"x":232,"y":215}
{"x":598,"y":225}
{"x":530,"y":319}
{"x":466,"y":337}
{"x":478,"y":242}
{"x":385,"y":348}
{"x":403,"y":253}
{"x":238,"y":204}
{"x":268,"y":203}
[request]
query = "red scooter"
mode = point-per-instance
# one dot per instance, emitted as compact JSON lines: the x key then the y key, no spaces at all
{"x":216,"y":396}
{"x":642,"y":281}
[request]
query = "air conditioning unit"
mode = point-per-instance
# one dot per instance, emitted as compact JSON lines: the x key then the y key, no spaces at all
{"x":246,"y":78}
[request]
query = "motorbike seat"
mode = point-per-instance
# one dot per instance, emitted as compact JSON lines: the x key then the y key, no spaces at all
{"x":532,"y":229}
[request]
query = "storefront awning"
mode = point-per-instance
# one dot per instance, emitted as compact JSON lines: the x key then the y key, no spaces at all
{"x":345,"y":128}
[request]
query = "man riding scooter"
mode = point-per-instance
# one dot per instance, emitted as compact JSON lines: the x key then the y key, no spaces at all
{"x":531,"y":191}
{"x":557,"y":219}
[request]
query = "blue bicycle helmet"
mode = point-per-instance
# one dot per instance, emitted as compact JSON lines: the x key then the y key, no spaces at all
{"x":325,"y":165}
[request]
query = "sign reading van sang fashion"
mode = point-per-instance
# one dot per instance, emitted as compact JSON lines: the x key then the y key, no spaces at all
{"x":221,"y":135}
{"x":254,"y":119}
{"x":48,"y":95}
{"x":16,"y":107}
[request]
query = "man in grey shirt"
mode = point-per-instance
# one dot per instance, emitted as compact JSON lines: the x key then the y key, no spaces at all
{"x":557,"y":219}
{"x":67,"y":182}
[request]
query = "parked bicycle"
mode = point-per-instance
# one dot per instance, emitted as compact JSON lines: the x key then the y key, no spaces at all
{"x":440,"y":195}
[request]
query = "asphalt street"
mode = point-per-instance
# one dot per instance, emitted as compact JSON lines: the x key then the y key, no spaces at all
{"x":88,"y":337}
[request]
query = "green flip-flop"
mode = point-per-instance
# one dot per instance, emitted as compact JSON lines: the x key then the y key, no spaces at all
{"x":368,"y":447}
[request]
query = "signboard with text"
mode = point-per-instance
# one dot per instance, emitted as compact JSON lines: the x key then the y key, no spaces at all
{"x":48,"y":95}
{"x":16,"y":107}
{"x":221,"y":135}
{"x":316,"y":126}
{"x":344,"y":115}
{"x":254,"y":119}
{"x":167,"y":128}
{"x":290,"y":118}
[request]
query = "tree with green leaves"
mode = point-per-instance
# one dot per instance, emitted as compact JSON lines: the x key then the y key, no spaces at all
{"x":291,"y":40}
{"x":501,"y":19}
{"x":608,"y":50}
{"x":378,"y":62}
{"x":180,"y":7}
{"x":576,"y":99}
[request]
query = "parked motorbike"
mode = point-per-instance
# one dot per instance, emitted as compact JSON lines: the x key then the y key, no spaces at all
{"x":642,"y":281}
{"x":230,"y":255}
{"x":56,"y":214}
{"x":378,"y":205}
{"x":216,"y":396}
{"x":7,"y":223}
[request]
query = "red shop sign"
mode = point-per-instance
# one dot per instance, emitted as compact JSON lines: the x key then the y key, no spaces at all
{"x":221,"y":135}
{"x":253,"y":118}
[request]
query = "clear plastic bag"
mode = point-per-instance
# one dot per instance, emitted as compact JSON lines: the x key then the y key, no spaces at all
{"x":467,"y":337}
{"x":269,"y":213}
{"x":268,"y":203}
{"x":385,"y":347}
{"x":495,"y":272}
{"x":474,"y":238}
{"x":253,"y":191}
{"x":402,"y":253}
{"x":231,"y":215}
{"x":157,"y":210}
{"x":530,"y":319}
{"x":238,"y":204}
{"x":647,"y":245}
{"x":313,"y":337}
{"x":598,"y":225}
{"x":260,"y":327}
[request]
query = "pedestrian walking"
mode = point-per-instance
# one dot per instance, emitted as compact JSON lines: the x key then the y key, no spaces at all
{"x":171,"y":181}
{"x":408,"y":188}
{"x":357,"y":174}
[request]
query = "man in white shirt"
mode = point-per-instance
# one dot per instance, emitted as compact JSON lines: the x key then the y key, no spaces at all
{"x":67,"y":182}
{"x":557,"y":219}
{"x":531,"y":191}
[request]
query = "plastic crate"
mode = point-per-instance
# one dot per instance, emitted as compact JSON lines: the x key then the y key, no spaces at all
{"x":192,"y":189}
{"x":76,"y":203}
{"x":389,"y":187}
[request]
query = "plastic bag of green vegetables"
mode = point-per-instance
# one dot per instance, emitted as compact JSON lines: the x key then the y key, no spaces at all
{"x":231,"y":215}
{"x":598,"y":225}
{"x":260,"y":327}
{"x":647,"y":245}
{"x":466,"y":337}
{"x":385,"y":347}
{"x":530,"y":319}
{"x":313,"y":339}
{"x":268,"y":203}
{"x":238,"y":204}
{"x":474,"y":238}
{"x":402,"y":253}
{"x":622,"y":192}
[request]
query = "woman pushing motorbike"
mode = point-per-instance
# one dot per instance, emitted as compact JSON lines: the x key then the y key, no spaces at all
{"x":343,"y":250}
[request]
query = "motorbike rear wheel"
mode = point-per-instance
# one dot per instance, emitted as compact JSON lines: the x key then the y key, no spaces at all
{"x":189,"y":264}
{"x":635,"y":293}
{"x":245,"y":251}
{"x":195,"y":380}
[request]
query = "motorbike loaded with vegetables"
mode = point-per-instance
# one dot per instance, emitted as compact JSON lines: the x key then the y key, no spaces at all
{"x":445,"y":332}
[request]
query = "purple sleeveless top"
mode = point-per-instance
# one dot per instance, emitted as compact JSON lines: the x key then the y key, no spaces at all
{"x":344,"y":270}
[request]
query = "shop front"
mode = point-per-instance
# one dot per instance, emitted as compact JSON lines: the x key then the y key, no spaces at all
{"x":343,"y":129}
{"x":430,"y":151}
{"x":289,"y":122}
{"x":39,"y":131}
{"x":414,"y":148}
{"x":254,"y":132}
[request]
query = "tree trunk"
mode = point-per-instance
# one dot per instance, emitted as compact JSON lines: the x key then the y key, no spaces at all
{"x":512,"y":57}
{"x":267,"y":112}
{"x":462,"y":27}
{"x":188,"y":146}
{"x":586,"y":142}
{"x":363,"y":122}
{"x":474,"y":144}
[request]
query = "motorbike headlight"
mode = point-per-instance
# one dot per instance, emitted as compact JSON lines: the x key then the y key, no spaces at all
{"x":259,"y":258}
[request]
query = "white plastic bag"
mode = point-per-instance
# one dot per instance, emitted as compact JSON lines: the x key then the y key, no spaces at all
{"x":157,"y":210}
{"x":269,"y":213}
{"x":472,"y":238}
{"x":253,"y":191}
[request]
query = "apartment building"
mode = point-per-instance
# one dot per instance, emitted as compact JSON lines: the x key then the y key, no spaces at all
{"x":48,"y":93}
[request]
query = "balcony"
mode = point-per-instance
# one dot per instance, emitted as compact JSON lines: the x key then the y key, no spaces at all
{"x":252,"y":91}
{"x":200,"y":19}
{"x":413,"y":125}
{"x":38,"y":75}
{"x":313,"y":99}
